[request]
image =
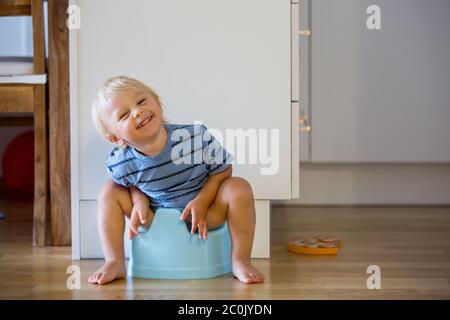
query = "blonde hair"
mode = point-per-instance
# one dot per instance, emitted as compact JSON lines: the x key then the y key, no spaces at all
{"x":112,"y":86}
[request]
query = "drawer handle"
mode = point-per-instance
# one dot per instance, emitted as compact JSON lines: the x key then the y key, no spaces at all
{"x":305,"y":33}
{"x":304,"y":123}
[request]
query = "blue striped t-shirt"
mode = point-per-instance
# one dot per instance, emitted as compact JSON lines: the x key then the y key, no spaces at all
{"x":175,"y":176}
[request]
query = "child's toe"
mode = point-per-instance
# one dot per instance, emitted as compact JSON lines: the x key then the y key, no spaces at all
{"x":247,"y":279}
{"x":103,"y":278}
{"x":98,"y":277}
{"x":93,"y":278}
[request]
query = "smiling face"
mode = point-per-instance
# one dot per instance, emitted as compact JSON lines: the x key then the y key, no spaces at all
{"x":134,"y":118}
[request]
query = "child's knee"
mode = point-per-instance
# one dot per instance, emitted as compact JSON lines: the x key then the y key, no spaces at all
{"x":237,"y":187}
{"x":114,"y":193}
{"x":111,"y":189}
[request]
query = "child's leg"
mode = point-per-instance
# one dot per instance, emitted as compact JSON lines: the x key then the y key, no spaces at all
{"x":114,"y":203}
{"x":234,"y":202}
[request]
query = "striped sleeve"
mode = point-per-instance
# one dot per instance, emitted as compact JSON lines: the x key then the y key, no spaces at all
{"x":116,"y":162}
{"x":216,"y":157}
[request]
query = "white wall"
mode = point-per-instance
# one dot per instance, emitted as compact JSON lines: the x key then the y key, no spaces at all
{"x":16,"y":35}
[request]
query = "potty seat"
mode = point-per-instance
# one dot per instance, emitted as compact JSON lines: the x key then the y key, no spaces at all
{"x":167,"y":250}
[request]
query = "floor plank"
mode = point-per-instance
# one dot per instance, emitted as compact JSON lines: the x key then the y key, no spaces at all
{"x":411,"y":245}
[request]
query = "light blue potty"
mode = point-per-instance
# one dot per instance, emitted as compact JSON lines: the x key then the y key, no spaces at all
{"x":169,"y":251}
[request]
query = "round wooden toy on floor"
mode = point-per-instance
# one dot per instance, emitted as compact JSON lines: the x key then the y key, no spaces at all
{"x":326,"y":245}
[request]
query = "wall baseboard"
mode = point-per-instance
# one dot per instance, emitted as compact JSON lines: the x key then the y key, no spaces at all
{"x":373,"y":184}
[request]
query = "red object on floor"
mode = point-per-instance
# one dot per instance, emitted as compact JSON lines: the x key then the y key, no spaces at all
{"x":18,"y":163}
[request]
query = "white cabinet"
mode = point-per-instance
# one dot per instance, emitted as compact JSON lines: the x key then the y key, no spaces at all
{"x":380,"y":95}
{"x":224,"y":63}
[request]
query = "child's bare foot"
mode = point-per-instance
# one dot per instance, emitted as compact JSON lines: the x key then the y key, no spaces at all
{"x":110,"y":271}
{"x":247,"y":273}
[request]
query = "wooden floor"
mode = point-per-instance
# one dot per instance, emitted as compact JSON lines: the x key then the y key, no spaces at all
{"x":410,"y":245}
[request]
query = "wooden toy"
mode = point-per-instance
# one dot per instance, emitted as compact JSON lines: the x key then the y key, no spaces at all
{"x":326,"y":245}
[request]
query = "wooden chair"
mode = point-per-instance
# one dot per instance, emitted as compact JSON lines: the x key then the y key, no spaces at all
{"x":23,"y":85}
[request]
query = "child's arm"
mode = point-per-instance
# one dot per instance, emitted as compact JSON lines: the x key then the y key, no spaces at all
{"x":199,"y":205}
{"x":141,"y":210}
{"x":209,"y":190}
{"x":138,"y":196}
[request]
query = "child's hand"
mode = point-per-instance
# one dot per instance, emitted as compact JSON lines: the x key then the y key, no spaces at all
{"x":197,"y":208}
{"x":139,"y":215}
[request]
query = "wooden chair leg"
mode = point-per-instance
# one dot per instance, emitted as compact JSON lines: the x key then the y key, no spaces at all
{"x":58,"y":123}
{"x":40,"y":166}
